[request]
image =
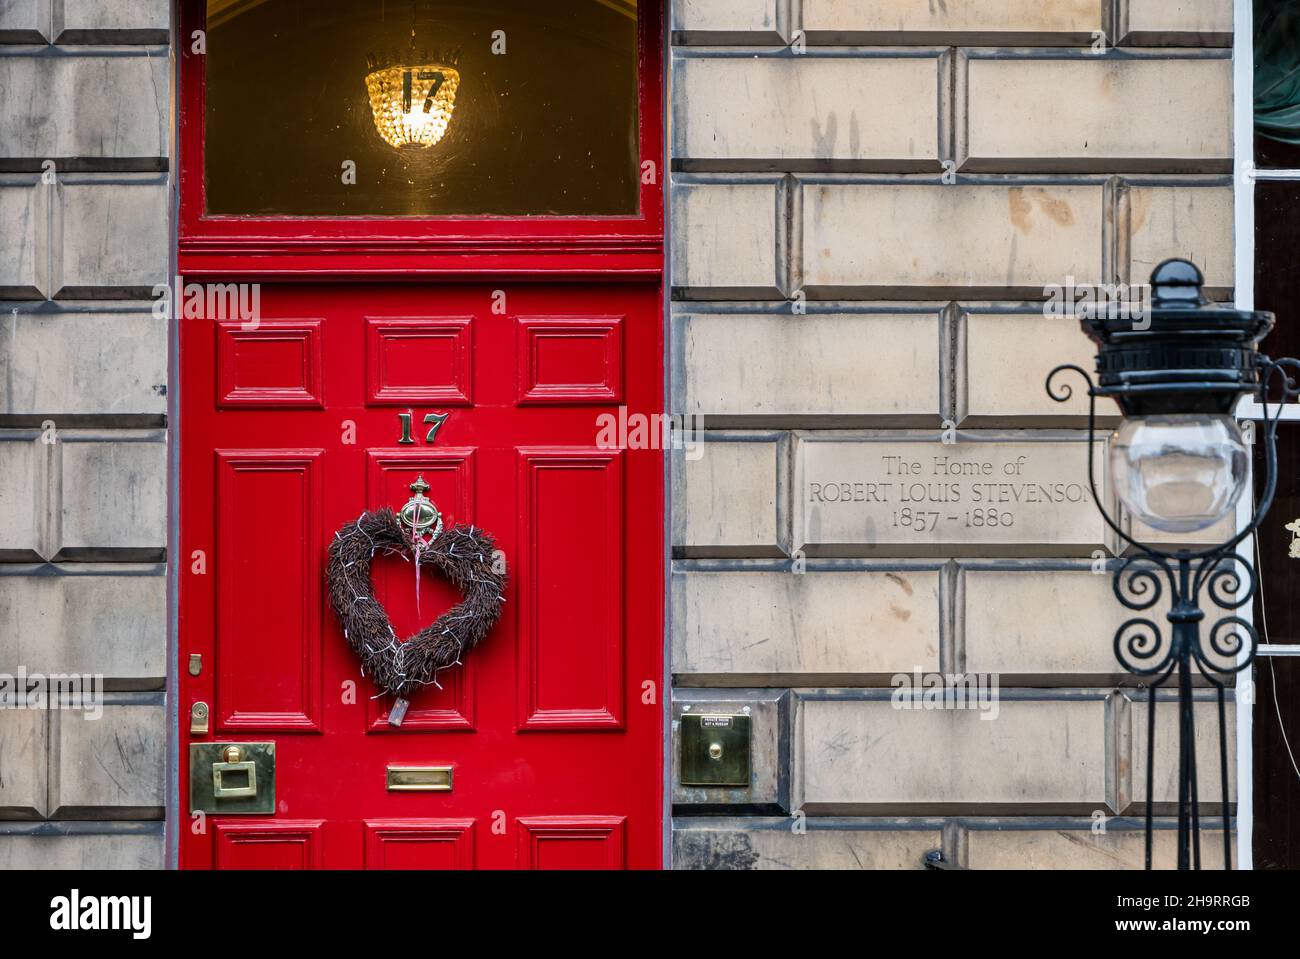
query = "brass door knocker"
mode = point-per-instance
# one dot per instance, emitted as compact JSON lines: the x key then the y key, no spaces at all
{"x":421,"y":515}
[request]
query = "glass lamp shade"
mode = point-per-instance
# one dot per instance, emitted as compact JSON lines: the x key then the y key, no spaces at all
{"x":412,"y":105}
{"x":1178,"y":473}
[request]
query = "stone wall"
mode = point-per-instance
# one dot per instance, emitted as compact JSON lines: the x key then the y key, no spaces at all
{"x":868,"y":199}
{"x":85,"y":126}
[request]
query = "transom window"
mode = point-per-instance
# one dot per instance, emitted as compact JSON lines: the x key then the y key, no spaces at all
{"x":421,"y":108}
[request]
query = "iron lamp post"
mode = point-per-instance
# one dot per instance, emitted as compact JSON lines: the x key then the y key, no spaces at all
{"x":1178,"y":462}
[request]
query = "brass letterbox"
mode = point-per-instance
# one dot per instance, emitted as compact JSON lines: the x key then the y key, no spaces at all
{"x":232,"y":778}
{"x":715,"y":749}
{"x":419,"y":779}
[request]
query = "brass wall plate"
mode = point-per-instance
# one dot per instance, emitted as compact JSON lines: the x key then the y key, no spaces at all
{"x":247,"y":786}
{"x":419,"y":779}
{"x":715,"y":749}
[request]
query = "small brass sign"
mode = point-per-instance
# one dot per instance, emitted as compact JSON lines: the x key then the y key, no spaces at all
{"x":715,"y":750}
{"x":419,"y":779}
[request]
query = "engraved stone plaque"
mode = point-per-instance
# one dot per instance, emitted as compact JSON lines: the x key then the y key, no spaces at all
{"x":901,"y":494}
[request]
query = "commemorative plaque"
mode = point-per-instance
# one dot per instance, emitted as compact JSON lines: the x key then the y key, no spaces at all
{"x":863,"y":494}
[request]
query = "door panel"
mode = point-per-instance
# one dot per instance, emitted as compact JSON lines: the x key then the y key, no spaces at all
{"x":266,"y":497}
{"x":451,"y":479}
{"x":571,"y":633}
{"x":268,"y":845}
{"x":277,"y":364}
{"x":571,"y":361}
{"x":420,"y":844}
{"x":572,"y":842}
{"x":290,"y":429}
{"x":419,"y":360}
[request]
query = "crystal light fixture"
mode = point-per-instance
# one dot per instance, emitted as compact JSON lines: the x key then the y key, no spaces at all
{"x":412,"y":105}
{"x":1179,"y":474}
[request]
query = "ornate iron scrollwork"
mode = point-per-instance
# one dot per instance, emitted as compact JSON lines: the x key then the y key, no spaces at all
{"x":1182,"y":648}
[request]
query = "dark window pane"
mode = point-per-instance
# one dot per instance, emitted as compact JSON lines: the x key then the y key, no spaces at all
{"x":1271,"y":154}
{"x":413,"y":94}
{"x":1277,"y":614}
{"x":1277,"y":679}
{"x":1277,"y":83}
{"x":1277,"y":281}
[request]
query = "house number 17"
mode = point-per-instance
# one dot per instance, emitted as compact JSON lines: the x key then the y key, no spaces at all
{"x":437,"y":419}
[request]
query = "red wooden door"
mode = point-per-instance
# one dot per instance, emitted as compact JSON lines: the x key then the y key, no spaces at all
{"x":291,"y":429}
{"x":528,"y":334}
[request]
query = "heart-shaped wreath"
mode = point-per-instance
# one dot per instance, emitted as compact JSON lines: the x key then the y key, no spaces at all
{"x":464,"y":554}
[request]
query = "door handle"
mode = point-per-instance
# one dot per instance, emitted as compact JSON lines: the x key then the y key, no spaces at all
{"x":232,"y":779}
{"x":236,"y":777}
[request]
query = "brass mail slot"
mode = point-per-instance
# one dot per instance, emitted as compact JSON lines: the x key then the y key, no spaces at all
{"x":419,"y":779}
{"x":229,"y":779}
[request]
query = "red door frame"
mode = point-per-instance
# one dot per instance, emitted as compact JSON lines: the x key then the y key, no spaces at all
{"x":316,"y":249}
{"x":376,"y":247}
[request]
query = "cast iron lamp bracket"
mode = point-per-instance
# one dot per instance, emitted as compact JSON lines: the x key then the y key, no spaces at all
{"x":1186,"y":357}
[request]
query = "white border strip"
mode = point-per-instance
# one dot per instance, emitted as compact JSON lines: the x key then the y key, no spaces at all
{"x":1250,"y":410}
{"x":1243,"y":149}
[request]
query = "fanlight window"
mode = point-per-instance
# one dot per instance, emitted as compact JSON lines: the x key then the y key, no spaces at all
{"x":421,"y":108}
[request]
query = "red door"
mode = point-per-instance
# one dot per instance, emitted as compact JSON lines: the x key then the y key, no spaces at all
{"x":523,"y":337}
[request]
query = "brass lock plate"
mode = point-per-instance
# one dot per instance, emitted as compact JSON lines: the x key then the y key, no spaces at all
{"x":232,"y":779}
{"x":199,"y":719}
{"x":715,"y":749}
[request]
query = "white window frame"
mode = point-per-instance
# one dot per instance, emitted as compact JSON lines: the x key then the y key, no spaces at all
{"x":1243,"y":139}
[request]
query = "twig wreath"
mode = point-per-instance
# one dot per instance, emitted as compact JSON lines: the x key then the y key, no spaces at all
{"x":464,"y":554}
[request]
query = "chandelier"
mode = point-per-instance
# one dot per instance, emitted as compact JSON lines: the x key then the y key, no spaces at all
{"x":412,"y":105}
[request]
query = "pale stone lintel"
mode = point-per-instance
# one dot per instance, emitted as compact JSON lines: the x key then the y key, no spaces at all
{"x":111,"y":767}
{"x":853,"y":843}
{"x":731,"y":21}
{"x":803,"y":843}
{"x":1007,"y":22}
{"x":1081,"y":113}
{"x":1175,"y":23}
{"x":814,"y":626}
{"x":731,"y":495}
{"x":82,"y":495}
{"x":81,"y":845}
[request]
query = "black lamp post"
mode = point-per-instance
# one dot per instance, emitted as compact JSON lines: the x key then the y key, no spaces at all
{"x":1178,"y":462}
